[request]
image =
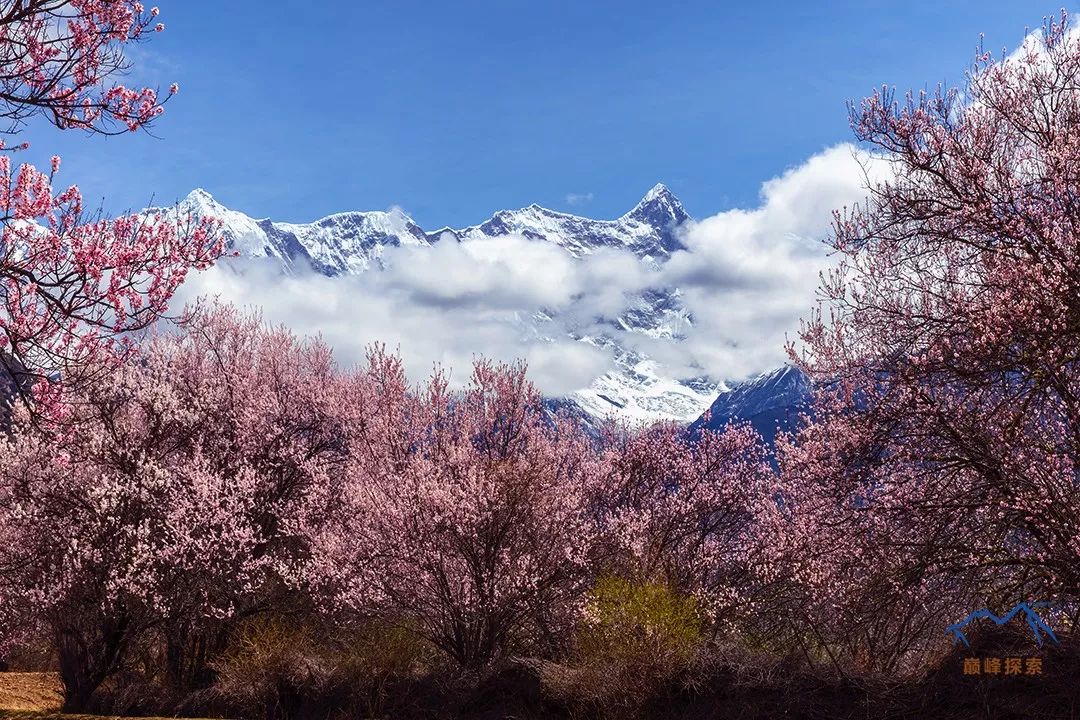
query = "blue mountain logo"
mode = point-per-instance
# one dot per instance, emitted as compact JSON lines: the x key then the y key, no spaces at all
{"x":1038,"y":626}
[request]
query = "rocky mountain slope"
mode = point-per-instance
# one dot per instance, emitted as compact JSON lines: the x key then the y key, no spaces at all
{"x":771,"y":402}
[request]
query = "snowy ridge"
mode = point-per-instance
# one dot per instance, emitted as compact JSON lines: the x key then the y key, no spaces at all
{"x":648,"y":230}
{"x":771,"y":402}
{"x":343,"y":243}
{"x":352,"y":243}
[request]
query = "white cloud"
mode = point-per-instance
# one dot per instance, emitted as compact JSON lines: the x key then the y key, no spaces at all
{"x":579,"y":198}
{"x":747,"y":276}
{"x":446,"y":304}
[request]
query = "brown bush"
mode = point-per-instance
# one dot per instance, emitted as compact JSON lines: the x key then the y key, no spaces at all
{"x":278,"y":667}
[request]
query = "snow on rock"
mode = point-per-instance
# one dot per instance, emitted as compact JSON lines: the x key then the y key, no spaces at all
{"x":772,"y":402}
{"x":354,"y":242}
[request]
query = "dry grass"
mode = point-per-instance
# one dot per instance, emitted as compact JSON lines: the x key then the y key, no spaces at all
{"x":35,"y":696}
{"x":30,"y":692}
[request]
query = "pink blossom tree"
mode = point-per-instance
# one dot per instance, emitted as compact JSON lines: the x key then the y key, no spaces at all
{"x":462,"y":515}
{"x":167,"y":500}
{"x":942,"y":463}
{"x":73,"y":285}
{"x":684,"y":513}
{"x":858,"y":566}
{"x":59,"y":58}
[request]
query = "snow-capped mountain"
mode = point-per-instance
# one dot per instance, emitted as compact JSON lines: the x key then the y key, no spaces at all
{"x":353,"y":243}
{"x":345,"y":243}
{"x":649,"y":230}
{"x":771,"y":402}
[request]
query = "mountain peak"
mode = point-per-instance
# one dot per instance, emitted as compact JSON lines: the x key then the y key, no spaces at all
{"x":659,"y":208}
{"x":771,"y":402}
{"x":200,"y":195}
{"x":658,"y":190}
{"x":356,"y":242}
{"x":201,"y":201}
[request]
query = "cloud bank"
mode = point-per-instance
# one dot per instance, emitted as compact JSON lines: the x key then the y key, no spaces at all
{"x":447,"y":304}
{"x":746,"y":277}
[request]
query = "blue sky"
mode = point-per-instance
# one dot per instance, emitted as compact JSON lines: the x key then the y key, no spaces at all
{"x":295,"y":109}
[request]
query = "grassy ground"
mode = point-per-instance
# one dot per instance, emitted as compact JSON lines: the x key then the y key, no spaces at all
{"x":48,"y":715}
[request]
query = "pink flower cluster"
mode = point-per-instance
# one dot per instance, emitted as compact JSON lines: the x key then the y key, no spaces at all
{"x":59,"y":58}
{"x":73,"y":287}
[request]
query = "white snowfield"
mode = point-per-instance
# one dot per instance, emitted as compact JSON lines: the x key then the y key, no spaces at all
{"x":638,"y":390}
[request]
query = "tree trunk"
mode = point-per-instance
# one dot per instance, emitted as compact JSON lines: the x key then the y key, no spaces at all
{"x":189,"y":652}
{"x":88,"y":657}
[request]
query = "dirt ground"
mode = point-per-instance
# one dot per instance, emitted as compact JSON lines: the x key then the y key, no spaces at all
{"x":33,"y":692}
{"x":37,"y":696}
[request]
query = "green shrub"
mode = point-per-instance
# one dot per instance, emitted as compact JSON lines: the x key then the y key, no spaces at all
{"x":636,"y":641}
{"x":633,"y":622}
